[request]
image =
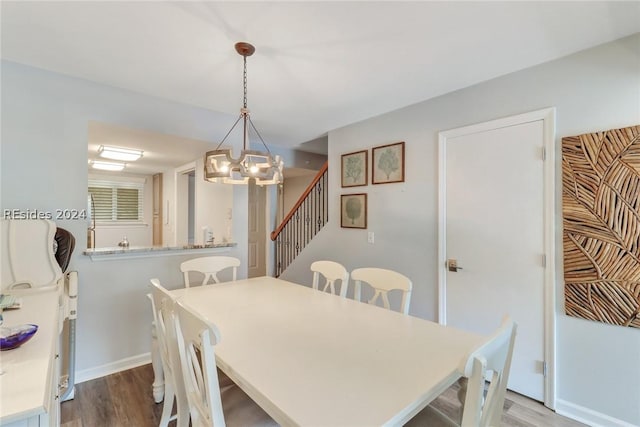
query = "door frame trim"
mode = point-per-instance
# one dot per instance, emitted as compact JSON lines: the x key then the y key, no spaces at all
{"x":548,"y":117}
{"x":177,"y":173}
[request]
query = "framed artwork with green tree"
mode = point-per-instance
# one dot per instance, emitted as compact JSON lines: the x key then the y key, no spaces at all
{"x":387,"y":163}
{"x":355,"y":169}
{"x":353,"y":210}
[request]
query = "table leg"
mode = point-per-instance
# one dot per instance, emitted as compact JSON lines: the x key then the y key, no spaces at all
{"x":156,"y":362}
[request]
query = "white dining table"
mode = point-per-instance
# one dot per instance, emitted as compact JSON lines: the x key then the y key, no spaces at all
{"x":310,"y":358}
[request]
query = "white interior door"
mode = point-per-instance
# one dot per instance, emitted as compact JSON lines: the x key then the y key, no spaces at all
{"x":493,"y":206}
{"x":256,"y":259}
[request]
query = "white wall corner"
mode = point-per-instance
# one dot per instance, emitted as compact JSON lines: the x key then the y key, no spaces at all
{"x":113,"y":367}
{"x":588,"y":416}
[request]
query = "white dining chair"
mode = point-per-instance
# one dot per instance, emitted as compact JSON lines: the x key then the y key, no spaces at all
{"x":382,"y":281}
{"x":162,"y":305}
{"x":331,"y":272}
{"x":209,"y":266}
{"x":208,"y":404}
{"x":483,"y":405}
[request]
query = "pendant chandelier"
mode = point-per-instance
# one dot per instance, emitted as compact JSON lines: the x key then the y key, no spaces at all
{"x":220,"y":166}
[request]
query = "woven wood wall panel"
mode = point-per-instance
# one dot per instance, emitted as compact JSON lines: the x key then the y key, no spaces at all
{"x":601,"y":218}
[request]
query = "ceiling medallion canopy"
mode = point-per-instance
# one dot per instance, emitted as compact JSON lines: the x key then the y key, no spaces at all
{"x":220,"y":166}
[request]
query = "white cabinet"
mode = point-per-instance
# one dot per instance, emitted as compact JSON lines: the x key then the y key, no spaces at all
{"x":29,"y":387}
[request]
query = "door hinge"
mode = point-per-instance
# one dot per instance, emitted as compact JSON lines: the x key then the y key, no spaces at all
{"x":544,"y":261}
{"x":544,"y":369}
{"x":544,"y":153}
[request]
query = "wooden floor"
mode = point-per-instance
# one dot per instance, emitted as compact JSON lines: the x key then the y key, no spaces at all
{"x":124,"y":400}
{"x":519,"y":411}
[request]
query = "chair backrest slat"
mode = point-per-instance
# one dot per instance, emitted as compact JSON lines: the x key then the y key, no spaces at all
{"x":494,"y":357}
{"x":196,"y":340}
{"x":209,"y":266}
{"x":382,"y":281}
{"x":159,"y":299}
{"x":162,"y":303}
{"x":332,"y":272}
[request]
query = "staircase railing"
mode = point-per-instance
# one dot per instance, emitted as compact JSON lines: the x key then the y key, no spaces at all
{"x":302,"y":223}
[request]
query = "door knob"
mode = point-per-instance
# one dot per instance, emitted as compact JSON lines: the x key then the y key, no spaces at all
{"x":452,"y":265}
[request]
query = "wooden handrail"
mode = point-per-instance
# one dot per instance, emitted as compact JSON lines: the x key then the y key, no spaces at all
{"x":323,"y":169}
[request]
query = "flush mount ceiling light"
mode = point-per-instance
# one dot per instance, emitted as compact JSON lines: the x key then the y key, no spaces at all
{"x":118,"y":153}
{"x":107,"y":166}
{"x":220,"y":166}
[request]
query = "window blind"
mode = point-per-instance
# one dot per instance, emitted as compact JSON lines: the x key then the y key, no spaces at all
{"x":117,"y":201}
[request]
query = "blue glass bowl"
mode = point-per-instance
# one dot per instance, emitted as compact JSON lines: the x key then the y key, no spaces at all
{"x":16,"y":336}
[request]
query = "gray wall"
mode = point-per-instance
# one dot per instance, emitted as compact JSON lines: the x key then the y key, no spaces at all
{"x":293,"y":189}
{"x":45,"y":120}
{"x":598,"y":366}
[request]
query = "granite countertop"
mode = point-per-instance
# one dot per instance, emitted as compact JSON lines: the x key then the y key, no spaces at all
{"x":132,"y":251}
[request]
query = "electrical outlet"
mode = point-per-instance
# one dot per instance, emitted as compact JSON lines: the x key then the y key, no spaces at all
{"x":370,"y":237}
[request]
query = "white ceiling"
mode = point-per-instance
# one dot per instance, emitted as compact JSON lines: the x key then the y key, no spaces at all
{"x":318,"y":65}
{"x":160,"y":151}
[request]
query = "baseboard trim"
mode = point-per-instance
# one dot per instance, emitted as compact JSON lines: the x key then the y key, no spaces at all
{"x":588,"y":416}
{"x":113,"y":367}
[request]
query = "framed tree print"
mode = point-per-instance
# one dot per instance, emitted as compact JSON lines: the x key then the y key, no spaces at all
{"x":354,"y":169}
{"x":388,"y":163}
{"x":353,"y":212}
